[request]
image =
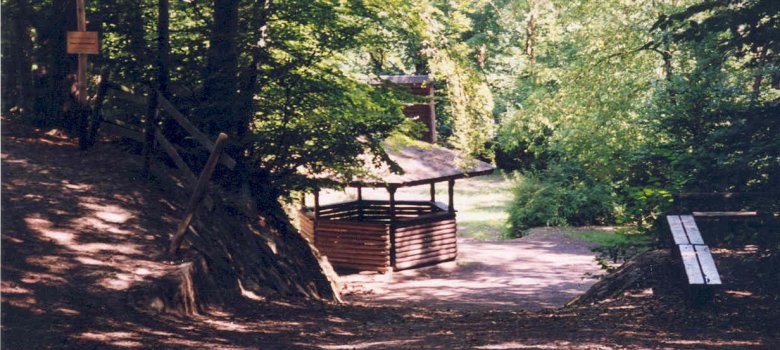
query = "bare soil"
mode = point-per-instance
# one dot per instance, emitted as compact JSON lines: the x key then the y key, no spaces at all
{"x":543,"y":270}
{"x":81,"y":229}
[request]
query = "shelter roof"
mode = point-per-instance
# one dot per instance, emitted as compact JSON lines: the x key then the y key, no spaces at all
{"x":422,"y":163}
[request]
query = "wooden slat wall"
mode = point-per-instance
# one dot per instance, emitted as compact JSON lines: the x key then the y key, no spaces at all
{"x":357,"y":235}
{"x":426,"y":240}
{"x":307,"y":225}
{"x":354,"y":245}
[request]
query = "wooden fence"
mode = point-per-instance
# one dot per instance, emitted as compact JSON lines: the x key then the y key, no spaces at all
{"x":152,"y":136}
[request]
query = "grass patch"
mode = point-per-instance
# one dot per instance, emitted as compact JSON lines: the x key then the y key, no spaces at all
{"x":609,"y":238}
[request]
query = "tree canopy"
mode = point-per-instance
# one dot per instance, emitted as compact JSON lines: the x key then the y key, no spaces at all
{"x":605,"y":107}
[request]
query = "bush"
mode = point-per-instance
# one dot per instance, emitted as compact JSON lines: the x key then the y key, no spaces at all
{"x":559,"y":196}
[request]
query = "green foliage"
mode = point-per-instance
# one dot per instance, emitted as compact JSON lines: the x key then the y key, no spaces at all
{"x":559,"y":196}
{"x":646,"y":99}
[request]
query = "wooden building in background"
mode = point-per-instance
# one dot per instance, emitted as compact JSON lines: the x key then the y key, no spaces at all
{"x":420,"y":85}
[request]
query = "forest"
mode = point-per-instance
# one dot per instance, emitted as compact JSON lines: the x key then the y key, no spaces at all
{"x":602,"y":113}
{"x":605,"y":108}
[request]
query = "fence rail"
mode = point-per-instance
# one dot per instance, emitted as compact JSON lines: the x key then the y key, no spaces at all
{"x":153,"y":135}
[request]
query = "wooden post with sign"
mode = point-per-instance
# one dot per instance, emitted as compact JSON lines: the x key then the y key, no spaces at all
{"x":82,"y":43}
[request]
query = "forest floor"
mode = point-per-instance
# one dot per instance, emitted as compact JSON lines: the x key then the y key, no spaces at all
{"x":80,"y":229}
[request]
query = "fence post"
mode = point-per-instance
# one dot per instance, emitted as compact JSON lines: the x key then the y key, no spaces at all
{"x":150,"y":125}
{"x":198,"y":194}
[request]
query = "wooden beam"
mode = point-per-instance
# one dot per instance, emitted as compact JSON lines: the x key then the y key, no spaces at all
{"x":451,"y":193}
{"x":193,"y":131}
{"x":691,"y":264}
{"x":432,"y":105}
{"x":361,"y":209}
{"x":81,"y":80}
{"x":676,"y":227}
{"x":691,"y":230}
{"x":81,"y":74}
{"x":725,"y":213}
{"x":122,"y":131}
{"x":150,"y":124}
{"x":433,"y":192}
{"x":171,"y":151}
{"x":708,"y":269}
{"x":391,"y":190}
{"x":317,"y":203}
{"x":198,"y":194}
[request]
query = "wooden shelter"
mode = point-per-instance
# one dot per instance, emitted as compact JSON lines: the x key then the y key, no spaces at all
{"x":421,"y":85}
{"x":380,"y":235}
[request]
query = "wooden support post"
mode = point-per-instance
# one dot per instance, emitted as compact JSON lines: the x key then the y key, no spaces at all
{"x":432,"y":105}
{"x":303,"y":200}
{"x":391,"y":190}
{"x":150,"y":124}
{"x":451,"y":193}
{"x":198,"y":194}
{"x":177,"y":159}
{"x":316,"y":203}
{"x":81,"y":78}
{"x":433,"y":192}
{"x":361,"y":212}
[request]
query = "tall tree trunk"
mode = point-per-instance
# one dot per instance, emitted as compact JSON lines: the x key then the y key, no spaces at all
{"x":221,"y":82}
{"x":758,"y":78}
{"x":163,"y":46}
{"x":17,"y":57}
{"x":54,"y":101}
{"x":248,"y":78}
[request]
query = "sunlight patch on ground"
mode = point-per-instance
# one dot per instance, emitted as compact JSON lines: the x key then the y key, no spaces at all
{"x":714,"y":342}
{"x":67,"y":311}
{"x":110,"y":213}
{"x":368,"y":345}
{"x":53,"y":263}
{"x":561,"y":345}
{"x":120,"y":339}
{"x":43,"y":226}
{"x":12,"y":288}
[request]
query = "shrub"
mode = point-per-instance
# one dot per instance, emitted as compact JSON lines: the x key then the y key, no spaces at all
{"x":559,"y":196}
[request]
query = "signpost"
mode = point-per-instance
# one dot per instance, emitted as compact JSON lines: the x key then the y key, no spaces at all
{"x":82,"y":43}
{"x":81,"y":76}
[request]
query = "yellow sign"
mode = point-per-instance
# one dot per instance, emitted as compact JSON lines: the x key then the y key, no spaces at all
{"x":83,"y":43}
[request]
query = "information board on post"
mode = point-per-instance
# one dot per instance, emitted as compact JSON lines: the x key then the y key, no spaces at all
{"x":83,"y":43}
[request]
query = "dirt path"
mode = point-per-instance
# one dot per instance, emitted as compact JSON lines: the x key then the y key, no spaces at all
{"x":539,"y":271}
